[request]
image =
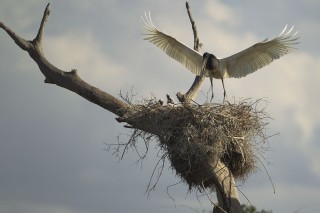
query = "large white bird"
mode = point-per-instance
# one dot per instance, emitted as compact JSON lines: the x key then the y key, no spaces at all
{"x":235,"y":66}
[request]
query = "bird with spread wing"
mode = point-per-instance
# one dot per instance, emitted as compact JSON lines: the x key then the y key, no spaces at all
{"x":235,"y":66}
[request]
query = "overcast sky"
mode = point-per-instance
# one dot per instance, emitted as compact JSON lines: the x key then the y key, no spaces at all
{"x":52,"y":142}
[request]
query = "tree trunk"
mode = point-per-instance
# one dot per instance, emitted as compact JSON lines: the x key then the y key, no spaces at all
{"x":227,"y":193}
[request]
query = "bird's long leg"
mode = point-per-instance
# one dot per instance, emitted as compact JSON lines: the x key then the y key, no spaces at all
{"x":211,"y":89}
{"x":203,"y":70}
{"x":224,"y":90}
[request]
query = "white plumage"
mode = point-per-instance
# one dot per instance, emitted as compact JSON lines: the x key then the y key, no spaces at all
{"x":234,"y":66}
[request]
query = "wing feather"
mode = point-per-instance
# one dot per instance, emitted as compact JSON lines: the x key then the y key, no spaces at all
{"x":259,"y":55}
{"x":188,"y":57}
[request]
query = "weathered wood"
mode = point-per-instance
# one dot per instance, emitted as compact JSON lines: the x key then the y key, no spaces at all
{"x":227,"y":193}
{"x":66,"y":79}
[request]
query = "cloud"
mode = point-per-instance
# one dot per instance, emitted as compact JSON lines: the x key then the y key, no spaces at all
{"x":95,"y":176}
{"x":295,"y":82}
{"x":35,"y":208}
{"x":20,"y":18}
{"x":93,"y":4}
{"x":80,"y":50}
{"x":222,"y":13}
{"x":316,"y":163}
{"x":288,"y":197}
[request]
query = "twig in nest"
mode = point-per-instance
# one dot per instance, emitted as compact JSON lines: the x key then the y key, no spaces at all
{"x":170,"y":194}
{"x":160,"y":169}
{"x":128,"y":97}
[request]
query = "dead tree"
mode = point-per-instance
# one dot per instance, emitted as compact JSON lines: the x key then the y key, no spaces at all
{"x":209,"y":146}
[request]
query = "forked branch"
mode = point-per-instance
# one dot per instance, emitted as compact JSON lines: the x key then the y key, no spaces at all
{"x":39,"y":36}
{"x":68,"y":80}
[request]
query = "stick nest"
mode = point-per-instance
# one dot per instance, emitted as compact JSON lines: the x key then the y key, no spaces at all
{"x":195,"y":137}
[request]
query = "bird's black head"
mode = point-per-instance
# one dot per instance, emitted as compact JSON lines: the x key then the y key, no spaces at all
{"x":205,"y":55}
{"x":212,"y":61}
{"x":209,"y":55}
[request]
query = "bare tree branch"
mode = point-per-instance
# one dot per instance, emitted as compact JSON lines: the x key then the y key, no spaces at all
{"x":198,"y":81}
{"x":196,"y":45}
{"x":22,"y":43}
{"x":68,"y":80}
{"x":39,"y":36}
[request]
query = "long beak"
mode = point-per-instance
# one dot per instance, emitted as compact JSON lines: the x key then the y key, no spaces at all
{"x":204,"y":64}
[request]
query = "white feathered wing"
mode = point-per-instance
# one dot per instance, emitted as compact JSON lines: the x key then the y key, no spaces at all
{"x":191,"y":59}
{"x":259,"y":55}
{"x":235,"y":66}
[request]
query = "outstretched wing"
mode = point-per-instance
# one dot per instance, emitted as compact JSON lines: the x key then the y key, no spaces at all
{"x":259,"y":55}
{"x":191,"y":59}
